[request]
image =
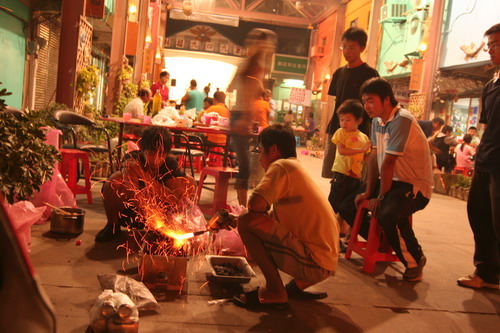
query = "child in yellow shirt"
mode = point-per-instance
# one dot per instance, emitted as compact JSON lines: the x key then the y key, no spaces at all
{"x":352,"y":147}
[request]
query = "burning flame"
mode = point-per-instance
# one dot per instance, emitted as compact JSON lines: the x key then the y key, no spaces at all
{"x":170,"y":219}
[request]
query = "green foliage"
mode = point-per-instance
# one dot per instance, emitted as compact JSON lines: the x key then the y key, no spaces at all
{"x":46,"y":115}
{"x":145,"y":83}
{"x":26,"y":162}
{"x":128,"y":90}
{"x":3,"y":92}
{"x":86,"y":82}
{"x":125,"y":73}
{"x":463,"y":181}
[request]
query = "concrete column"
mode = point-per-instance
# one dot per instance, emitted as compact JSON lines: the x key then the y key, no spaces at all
{"x":66,"y":73}
{"x":431,"y":57}
{"x":141,"y":36}
{"x":334,"y":64}
{"x":373,"y":33}
{"x":312,"y":63}
{"x":117,"y":52}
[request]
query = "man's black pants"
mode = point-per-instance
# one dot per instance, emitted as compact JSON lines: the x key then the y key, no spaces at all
{"x":398,"y":205}
{"x":483,"y":209}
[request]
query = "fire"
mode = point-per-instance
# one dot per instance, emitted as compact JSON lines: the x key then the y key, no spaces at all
{"x":179,"y":239}
{"x":169,"y":222}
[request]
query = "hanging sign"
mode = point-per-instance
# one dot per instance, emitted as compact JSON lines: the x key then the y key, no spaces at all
{"x":290,"y":64}
{"x":300,"y":96}
{"x":416,"y":74}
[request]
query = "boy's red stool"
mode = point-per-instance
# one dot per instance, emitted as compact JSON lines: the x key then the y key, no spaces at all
{"x":69,"y":169}
{"x":376,"y":248}
{"x":222,"y":176}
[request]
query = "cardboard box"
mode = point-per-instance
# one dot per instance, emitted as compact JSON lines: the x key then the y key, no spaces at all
{"x":164,"y":272}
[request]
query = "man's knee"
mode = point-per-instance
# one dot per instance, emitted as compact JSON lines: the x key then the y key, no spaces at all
{"x":388,"y":218}
{"x":253,"y":222}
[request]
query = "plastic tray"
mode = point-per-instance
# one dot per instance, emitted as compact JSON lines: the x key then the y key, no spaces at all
{"x":239,"y":262}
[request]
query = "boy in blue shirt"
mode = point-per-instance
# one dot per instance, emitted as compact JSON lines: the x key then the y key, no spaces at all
{"x":352,"y":147}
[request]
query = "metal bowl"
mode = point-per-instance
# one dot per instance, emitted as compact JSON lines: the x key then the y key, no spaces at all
{"x":67,"y":224}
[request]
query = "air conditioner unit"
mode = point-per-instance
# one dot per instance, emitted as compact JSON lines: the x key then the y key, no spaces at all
{"x":414,"y":30}
{"x":392,"y":13}
{"x":317,"y":51}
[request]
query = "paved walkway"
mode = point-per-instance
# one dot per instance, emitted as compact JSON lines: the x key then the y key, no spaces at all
{"x":357,"y":302}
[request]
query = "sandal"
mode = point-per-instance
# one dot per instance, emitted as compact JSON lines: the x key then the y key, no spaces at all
{"x":251,"y":300}
{"x":295,"y":292}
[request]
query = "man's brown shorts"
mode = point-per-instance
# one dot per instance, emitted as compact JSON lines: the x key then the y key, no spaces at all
{"x":292,"y":256}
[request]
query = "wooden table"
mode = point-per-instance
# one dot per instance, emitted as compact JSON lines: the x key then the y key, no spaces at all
{"x":197,"y":129}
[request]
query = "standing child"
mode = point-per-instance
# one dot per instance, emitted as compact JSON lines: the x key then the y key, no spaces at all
{"x":352,"y":147}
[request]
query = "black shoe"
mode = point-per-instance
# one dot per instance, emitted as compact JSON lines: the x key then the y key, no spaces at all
{"x":342,"y":246}
{"x":109,"y":232}
{"x":415,"y":274}
{"x":294,"y":292}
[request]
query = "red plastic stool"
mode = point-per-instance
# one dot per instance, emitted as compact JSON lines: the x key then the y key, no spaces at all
{"x":69,"y":169}
{"x":215,"y":157}
{"x":222,"y":176}
{"x":376,"y":248}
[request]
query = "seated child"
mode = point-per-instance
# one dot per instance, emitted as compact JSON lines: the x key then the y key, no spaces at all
{"x":352,"y":147}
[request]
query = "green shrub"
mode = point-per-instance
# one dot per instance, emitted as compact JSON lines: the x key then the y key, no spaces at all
{"x":26,"y":162}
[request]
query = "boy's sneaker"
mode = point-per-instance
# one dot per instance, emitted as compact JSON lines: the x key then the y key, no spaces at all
{"x":415,"y":274}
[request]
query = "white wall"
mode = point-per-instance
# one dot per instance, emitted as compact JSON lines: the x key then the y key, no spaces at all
{"x":468,"y":20}
{"x":218,"y":70}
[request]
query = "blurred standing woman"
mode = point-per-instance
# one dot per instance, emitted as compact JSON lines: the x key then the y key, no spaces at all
{"x":248,"y":81}
{"x":464,"y":153}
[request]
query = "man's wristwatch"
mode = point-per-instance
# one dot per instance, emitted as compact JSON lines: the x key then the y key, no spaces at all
{"x":381,"y":197}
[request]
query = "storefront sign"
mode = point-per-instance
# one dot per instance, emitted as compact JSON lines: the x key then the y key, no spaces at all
{"x":95,"y":8}
{"x":237,"y":50}
{"x":224,"y":48}
{"x":416,"y":74}
{"x":148,"y":61}
{"x":290,"y":64}
{"x":210,"y":47}
{"x":179,"y":43}
{"x":194,"y":44}
{"x":300,"y":96}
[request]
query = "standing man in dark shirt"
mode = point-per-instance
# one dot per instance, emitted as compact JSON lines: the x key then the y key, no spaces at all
{"x":162,"y":87}
{"x":483,"y":206}
{"x":345,"y":85}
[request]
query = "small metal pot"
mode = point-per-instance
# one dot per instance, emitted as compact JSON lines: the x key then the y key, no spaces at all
{"x":67,"y":224}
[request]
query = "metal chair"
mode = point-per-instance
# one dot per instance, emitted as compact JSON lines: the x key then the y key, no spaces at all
{"x":66,"y":120}
{"x":190,"y":146}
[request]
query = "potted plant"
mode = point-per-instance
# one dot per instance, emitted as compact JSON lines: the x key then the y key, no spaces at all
{"x":460,"y":189}
{"x":86,"y":83}
{"x":128,"y":89}
{"x":26,"y":162}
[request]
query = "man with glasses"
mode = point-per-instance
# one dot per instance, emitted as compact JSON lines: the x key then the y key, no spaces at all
{"x":483,"y":206}
{"x":345,"y":85}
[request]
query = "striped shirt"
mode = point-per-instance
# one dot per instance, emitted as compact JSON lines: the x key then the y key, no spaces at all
{"x":402,"y":136}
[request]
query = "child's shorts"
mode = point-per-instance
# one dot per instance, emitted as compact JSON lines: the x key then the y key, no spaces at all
{"x":292,"y":256}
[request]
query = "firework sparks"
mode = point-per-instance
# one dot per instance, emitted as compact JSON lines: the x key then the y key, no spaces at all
{"x":170,"y":219}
